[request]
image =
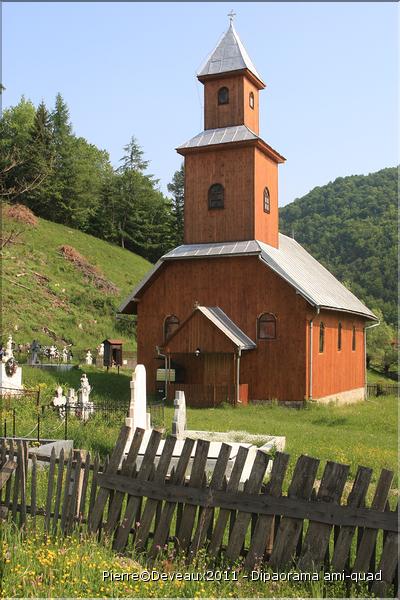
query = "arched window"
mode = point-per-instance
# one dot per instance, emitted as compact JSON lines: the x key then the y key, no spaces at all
{"x":353,"y":339}
{"x":321,"y":337}
{"x":339,"y":336}
{"x":171,"y":323}
{"x":216,"y":196}
{"x":266,"y":200}
{"x":251,"y":100}
{"x":223,"y":95}
{"x":266,"y":327}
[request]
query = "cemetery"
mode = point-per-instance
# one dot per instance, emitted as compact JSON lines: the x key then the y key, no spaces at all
{"x":230,"y":447}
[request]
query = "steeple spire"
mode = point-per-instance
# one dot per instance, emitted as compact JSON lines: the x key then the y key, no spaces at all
{"x":229,"y":55}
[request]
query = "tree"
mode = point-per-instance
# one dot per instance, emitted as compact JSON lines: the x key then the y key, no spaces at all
{"x":90,"y":166}
{"x":61,"y":207}
{"x":40,"y":166}
{"x":142,"y":216}
{"x":177,"y":189}
{"x":133,"y":158}
{"x":390,"y":357}
{"x":15,"y":130}
{"x":380,"y":342}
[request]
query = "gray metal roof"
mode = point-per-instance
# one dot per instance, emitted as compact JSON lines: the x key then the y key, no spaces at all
{"x":228,"y":55}
{"x":217,"y":249}
{"x":290,"y":261}
{"x":139,"y":286}
{"x":223,"y":135}
{"x":221,"y":320}
{"x":318,"y":286}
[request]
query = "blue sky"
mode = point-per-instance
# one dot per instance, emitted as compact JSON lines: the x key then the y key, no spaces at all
{"x":330,"y":106}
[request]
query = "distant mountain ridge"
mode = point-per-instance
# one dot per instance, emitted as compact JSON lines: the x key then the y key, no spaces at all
{"x":350,"y":226}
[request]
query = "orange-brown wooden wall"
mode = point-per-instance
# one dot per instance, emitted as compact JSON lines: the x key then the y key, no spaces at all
{"x":238,"y":110}
{"x":334,"y":370}
{"x":244,"y":288}
{"x":266,"y":175}
{"x":233,"y":168}
{"x":244,"y":172}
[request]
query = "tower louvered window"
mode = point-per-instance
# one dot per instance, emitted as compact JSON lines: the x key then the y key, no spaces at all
{"x":223,"y":95}
{"x":216,"y":196}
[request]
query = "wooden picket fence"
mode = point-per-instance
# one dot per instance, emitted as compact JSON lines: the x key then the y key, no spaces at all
{"x":153,"y":507}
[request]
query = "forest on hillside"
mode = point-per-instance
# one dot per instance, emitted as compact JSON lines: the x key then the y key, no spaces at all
{"x":349,"y":225}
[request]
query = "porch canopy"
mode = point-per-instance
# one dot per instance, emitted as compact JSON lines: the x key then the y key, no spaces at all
{"x":208,"y":346}
{"x":208,"y":330}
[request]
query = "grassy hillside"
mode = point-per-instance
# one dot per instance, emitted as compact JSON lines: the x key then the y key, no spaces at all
{"x":61,"y":285}
{"x":350,"y":226}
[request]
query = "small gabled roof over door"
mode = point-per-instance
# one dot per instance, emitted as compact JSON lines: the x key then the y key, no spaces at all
{"x":208,"y":329}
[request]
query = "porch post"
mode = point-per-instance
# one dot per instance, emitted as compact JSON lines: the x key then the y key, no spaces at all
{"x":239,"y":353}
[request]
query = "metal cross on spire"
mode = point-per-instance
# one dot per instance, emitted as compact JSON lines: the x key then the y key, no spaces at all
{"x":231,"y":16}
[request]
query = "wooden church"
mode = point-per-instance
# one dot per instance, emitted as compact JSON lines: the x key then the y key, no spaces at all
{"x":241,"y":312}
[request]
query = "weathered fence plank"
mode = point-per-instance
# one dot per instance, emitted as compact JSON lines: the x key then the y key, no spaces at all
{"x":33,"y":490}
{"x":132,"y":504}
{"x":368,"y":540}
{"x":23,"y":464}
{"x":50,"y":485}
{"x":66,"y":499}
{"x":6,"y":471}
{"x":93,"y":487}
{"x":75,"y":490}
{"x":7,"y":498}
{"x":252,"y":486}
{"x":224,"y":514}
{"x":345,"y":536}
{"x":151,"y":504}
{"x":128,"y":468}
{"x":388,"y":564}
{"x":206,"y":517}
{"x":162,"y":531}
{"x":57,"y":499}
{"x":16,"y":487}
{"x":102,"y":497}
{"x":263,"y":536}
{"x":317,"y":537}
{"x":195,"y":481}
{"x":85,"y":483}
{"x":290,"y":529}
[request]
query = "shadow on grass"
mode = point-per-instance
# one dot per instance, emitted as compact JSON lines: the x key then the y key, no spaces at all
{"x":105,"y":385}
{"x":328,"y":422}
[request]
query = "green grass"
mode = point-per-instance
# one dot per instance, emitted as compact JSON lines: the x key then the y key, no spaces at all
{"x":375,"y":376}
{"x":64,"y":299}
{"x":356,"y":434}
{"x":32,"y":565}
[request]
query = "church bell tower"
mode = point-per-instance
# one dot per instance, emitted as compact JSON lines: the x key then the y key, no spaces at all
{"x":231,"y":174}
